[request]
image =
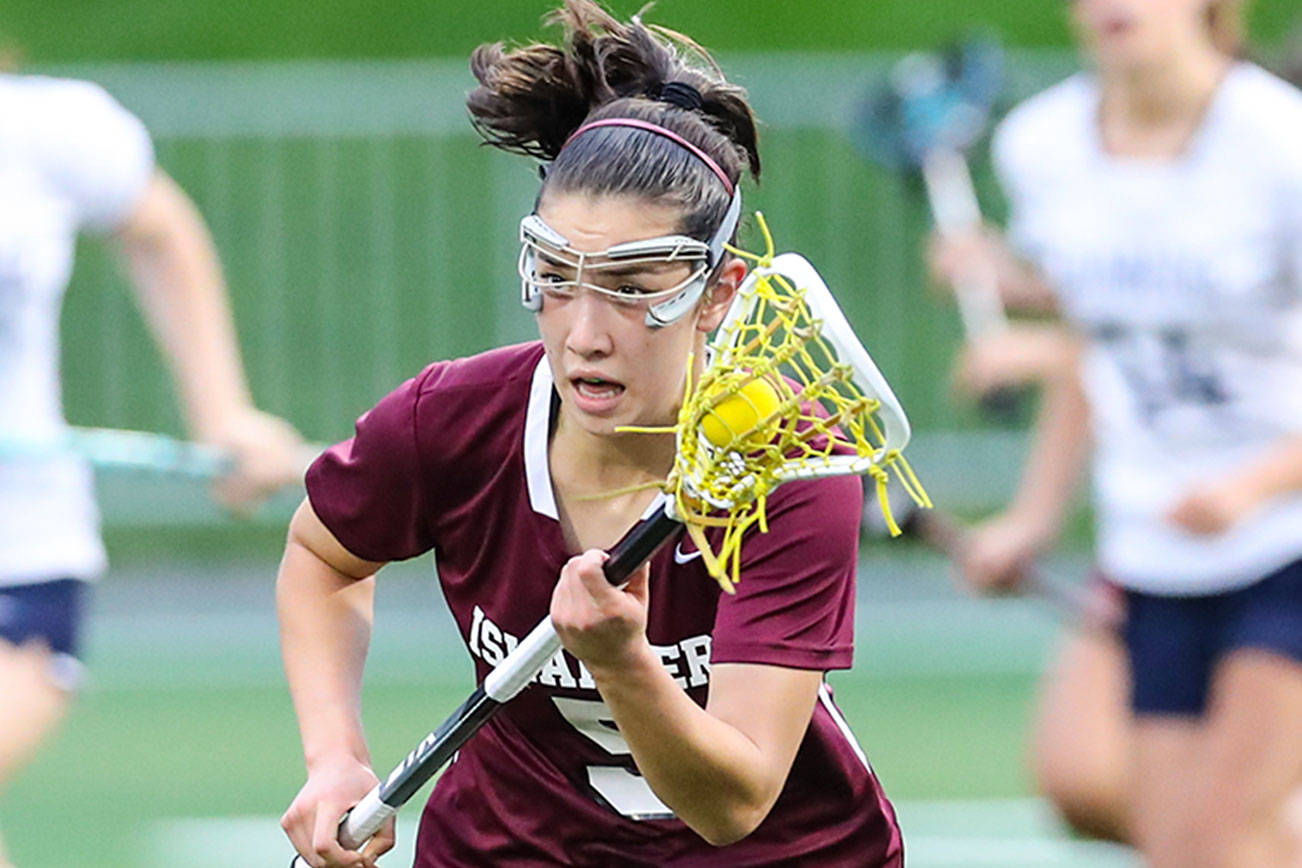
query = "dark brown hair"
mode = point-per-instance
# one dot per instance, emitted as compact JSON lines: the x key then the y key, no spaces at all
{"x":1225,"y":20}
{"x":531,"y":99}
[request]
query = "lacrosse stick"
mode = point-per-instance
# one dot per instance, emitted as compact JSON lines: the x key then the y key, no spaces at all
{"x":933,"y":109}
{"x":945,"y":534}
{"x":789,"y":394}
{"x":116,"y":449}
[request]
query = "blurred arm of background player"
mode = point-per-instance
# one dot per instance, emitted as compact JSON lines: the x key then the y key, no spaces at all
{"x":998,"y":551}
{"x":180,"y":288}
{"x":950,"y":256}
{"x":1217,"y":505}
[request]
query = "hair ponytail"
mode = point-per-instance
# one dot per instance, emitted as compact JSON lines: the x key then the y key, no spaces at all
{"x":531,"y":100}
{"x":1225,"y":22}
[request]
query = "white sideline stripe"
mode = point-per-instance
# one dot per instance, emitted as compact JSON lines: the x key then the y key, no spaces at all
{"x":939,"y":852}
{"x":938,"y":834}
{"x":910,"y":639}
{"x":255,"y":841}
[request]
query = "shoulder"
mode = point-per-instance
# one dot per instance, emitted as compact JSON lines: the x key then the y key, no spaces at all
{"x":60,"y":106}
{"x":478,"y":388}
{"x":1055,"y":120}
{"x":493,"y":371}
{"x":426,"y":446}
{"x":473,"y":409}
{"x":1068,"y":102}
{"x":90,"y":151}
{"x":1261,"y":116}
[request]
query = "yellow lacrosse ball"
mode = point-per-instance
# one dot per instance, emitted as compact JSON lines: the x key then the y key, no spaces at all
{"x":738,"y":415}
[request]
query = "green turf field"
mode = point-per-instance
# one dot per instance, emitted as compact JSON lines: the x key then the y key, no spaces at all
{"x":185,"y":736}
{"x":358,"y":223}
{"x":208,"y":29}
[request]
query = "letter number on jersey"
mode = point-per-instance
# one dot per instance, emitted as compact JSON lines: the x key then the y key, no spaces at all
{"x":626,"y":792}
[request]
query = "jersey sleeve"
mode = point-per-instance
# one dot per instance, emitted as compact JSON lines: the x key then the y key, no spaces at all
{"x":369,"y":490}
{"x":96,"y":153}
{"x":794,"y":606}
{"x":1290,"y":190}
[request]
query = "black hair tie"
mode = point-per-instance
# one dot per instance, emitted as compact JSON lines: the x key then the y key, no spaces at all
{"x":679,"y":93}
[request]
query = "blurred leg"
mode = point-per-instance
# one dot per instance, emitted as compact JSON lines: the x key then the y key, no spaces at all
{"x":33,"y":705}
{"x":1249,"y":764}
{"x":1164,"y":755}
{"x":1082,"y":734}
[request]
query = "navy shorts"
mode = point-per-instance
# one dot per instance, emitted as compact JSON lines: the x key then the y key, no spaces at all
{"x":1175,"y":643}
{"x":51,"y":613}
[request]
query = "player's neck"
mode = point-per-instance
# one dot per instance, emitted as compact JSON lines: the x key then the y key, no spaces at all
{"x":1172,"y":94}
{"x":605,"y":462}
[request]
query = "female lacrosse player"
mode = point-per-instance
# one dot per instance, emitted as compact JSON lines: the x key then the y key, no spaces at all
{"x":1160,"y":199}
{"x":681,"y":726}
{"x":73,"y":160}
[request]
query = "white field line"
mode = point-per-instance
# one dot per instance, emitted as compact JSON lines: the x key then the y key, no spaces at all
{"x":942,"y":834}
{"x":240,"y":649}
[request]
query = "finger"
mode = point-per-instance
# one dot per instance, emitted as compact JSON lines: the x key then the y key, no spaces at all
{"x":325,"y":838}
{"x":639,"y":583}
{"x":298,"y":830}
{"x":587,"y":569}
{"x":382,"y":843}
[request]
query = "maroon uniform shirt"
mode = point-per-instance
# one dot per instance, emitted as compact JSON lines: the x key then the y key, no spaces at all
{"x":455,"y":461}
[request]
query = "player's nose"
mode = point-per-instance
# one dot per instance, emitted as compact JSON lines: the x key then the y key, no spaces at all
{"x":589,"y":327}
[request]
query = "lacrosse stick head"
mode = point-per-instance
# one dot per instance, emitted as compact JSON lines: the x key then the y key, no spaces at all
{"x":931,"y":102}
{"x":790,"y":393}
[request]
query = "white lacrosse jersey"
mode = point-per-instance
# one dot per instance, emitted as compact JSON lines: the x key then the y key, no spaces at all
{"x":1185,"y":274}
{"x":71,"y":160}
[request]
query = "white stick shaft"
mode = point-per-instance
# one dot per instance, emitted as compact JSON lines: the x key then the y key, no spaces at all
{"x":519,"y":667}
{"x":956,"y":211}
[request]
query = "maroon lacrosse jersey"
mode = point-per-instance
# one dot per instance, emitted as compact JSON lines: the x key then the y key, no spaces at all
{"x":455,"y":461}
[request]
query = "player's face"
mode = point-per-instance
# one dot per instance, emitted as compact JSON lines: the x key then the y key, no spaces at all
{"x":611,"y":368}
{"x":1128,"y":35}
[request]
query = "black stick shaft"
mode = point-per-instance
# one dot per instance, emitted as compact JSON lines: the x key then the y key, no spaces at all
{"x":635,"y":548}
{"x":638,"y":545}
{"x":629,"y":553}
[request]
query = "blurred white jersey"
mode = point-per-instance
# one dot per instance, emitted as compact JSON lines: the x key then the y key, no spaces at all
{"x":1186,"y":276}
{"x":71,"y":159}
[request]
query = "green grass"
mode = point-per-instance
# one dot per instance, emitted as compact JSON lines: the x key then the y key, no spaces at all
{"x":63,"y":30}
{"x":130,"y":757}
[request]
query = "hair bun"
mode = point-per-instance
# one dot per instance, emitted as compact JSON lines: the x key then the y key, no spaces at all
{"x":678,"y":93}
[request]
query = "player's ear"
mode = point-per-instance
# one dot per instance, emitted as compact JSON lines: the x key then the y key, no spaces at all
{"x":720,"y":294}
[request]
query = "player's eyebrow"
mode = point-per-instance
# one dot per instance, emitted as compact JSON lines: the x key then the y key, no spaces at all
{"x":642,"y":268}
{"x":632,"y":269}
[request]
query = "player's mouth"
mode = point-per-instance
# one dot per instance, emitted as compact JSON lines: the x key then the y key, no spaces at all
{"x":595,"y":394}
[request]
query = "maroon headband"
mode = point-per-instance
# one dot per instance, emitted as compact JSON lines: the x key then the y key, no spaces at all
{"x":660,"y":131}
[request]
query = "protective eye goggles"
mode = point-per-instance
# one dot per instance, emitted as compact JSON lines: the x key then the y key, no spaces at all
{"x":548,"y":265}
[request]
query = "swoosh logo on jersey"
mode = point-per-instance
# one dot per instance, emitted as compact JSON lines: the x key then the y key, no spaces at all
{"x":682,"y":557}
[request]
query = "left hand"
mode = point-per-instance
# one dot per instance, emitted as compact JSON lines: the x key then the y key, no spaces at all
{"x":600,"y":624}
{"x":269,"y":455}
{"x":1017,"y":356}
{"x":1212,"y":509}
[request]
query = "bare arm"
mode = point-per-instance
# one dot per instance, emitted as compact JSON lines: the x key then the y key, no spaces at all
{"x":180,"y":288}
{"x":324,"y":600}
{"x":1061,"y":445}
{"x":998,"y":551}
{"x":950,"y":257}
{"x":1220,"y":504}
{"x":720,"y":768}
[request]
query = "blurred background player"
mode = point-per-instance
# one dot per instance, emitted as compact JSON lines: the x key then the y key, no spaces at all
{"x":72,"y":160}
{"x":505,"y":462}
{"x":1157,"y":203}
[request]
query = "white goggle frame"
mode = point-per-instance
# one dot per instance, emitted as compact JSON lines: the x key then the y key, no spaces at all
{"x":662,"y":308}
